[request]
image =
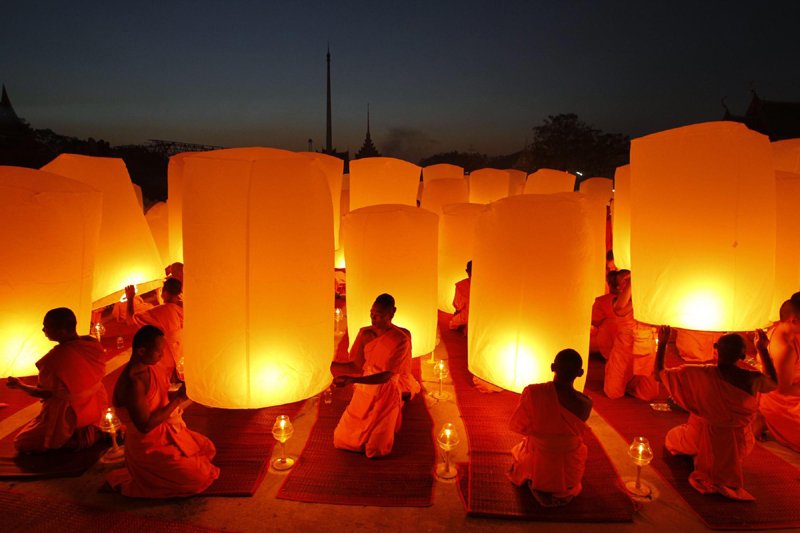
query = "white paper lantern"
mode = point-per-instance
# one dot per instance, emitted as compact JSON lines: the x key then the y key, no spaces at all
{"x":548,"y":181}
{"x":383,"y":180}
{"x":444,"y":191}
{"x":488,"y":185}
{"x":456,"y":238}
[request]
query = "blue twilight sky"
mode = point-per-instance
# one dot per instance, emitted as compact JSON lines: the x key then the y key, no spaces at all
{"x":438,"y":75}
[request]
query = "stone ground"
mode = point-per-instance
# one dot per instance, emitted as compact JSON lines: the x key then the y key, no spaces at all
{"x":664,"y":511}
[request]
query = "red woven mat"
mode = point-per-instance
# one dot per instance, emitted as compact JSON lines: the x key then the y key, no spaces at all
{"x":484,"y":487}
{"x":26,"y":512}
{"x":404,"y":478}
{"x":772,"y":481}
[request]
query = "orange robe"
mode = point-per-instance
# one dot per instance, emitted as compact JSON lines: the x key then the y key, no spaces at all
{"x":120,"y":311}
{"x":171,"y":460}
{"x":631,"y":361}
{"x":552,"y":455}
{"x":461,"y":303}
{"x":602,"y":339}
{"x":782,"y":412}
{"x":73,"y":372}
{"x":169,"y":319}
{"x":718,"y":431}
{"x":374,"y":415}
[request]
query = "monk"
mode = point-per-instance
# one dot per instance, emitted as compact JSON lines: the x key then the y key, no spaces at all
{"x":168,"y":317}
{"x":175,"y":270}
{"x":461,"y":302}
{"x":779,"y":411}
{"x":604,"y":319}
{"x":722,"y":400}
{"x":163,"y":458}
{"x":630,"y":362}
{"x":552,"y":418}
{"x":70,"y":387}
{"x":382,"y":355}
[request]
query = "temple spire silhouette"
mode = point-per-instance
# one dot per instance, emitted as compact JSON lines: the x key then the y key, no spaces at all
{"x":368,"y":148}
{"x":329,"y":149}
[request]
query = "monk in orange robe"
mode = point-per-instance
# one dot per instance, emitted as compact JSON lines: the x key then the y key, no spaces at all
{"x":168,"y":317}
{"x":461,"y":302}
{"x":630,"y":363}
{"x":604,"y":320}
{"x":382,"y":355}
{"x":70,"y":387}
{"x":163,"y":458}
{"x":779,"y":411}
{"x":552,"y":418}
{"x":722,"y":400}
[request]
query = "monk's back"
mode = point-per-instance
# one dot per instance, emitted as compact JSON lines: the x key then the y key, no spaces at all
{"x":573,"y":401}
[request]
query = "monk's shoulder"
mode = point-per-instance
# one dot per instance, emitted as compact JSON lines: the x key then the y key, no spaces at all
{"x":404,"y":331}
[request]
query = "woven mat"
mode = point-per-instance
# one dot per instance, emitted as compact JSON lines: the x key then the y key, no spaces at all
{"x":483,"y":485}
{"x":244,"y":442}
{"x":772,"y":481}
{"x":29,"y":513}
{"x":404,"y":478}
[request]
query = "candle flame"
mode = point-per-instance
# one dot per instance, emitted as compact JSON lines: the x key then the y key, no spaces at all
{"x":283,"y":424}
{"x":447,"y":432}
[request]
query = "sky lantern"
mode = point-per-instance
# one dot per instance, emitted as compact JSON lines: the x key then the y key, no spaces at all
{"x":441,"y":171}
{"x":787,"y":240}
{"x":600,"y":188}
{"x":622,"y":217}
{"x":487,"y":185}
{"x":139,"y":196}
{"x":258,"y":244}
{"x":786,"y":155}
{"x":158,"y":219}
{"x":444,"y":191}
{"x":392,"y":249}
{"x":383,"y":180}
{"x":127,"y":253}
{"x":333,"y":168}
{"x":703,"y":227}
{"x":549,"y":181}
{"x":344,"y":208}
{"x":456,"y":238}
{"x":516,"y":181}
{"x":49,"y":227}
{"x":175,"y":196}
{"x":530,"y":251}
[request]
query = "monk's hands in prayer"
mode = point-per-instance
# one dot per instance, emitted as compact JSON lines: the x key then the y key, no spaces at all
{"x":130,"y":292}
{"x":342,"y":381}
{"x":664,"y":333}
{"x":761,"y":340}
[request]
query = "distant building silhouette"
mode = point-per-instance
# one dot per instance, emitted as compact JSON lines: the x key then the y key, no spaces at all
{"x":10,"y":124}
{"x":778,"y":120}
{"x":329,"y":149}
{"x":368,"y":148}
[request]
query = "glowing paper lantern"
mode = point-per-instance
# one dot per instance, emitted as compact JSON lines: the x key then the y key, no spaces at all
{"x":138,"y":191}
{"x":703,"y":227}
{"x":516,"y":181}
{"x":600,"y":188}
{"x":787,"y":241}
{"x":126,"y":253}
{"x":49,"y":227}
{"x":456,"y":238}
{"x":383,"y":180}
{"x":258,"y":234}
{"x":175,"y":196}
{"x":441,"y":171}
{"x":333,"y":167}
{"x":786,"y":155}
{"x":392,"y":249}
{"x":158,"y":219}
{"x":530,"y":251}
{"x":344,"y":208}
{"x":444,"y":191}
{"x":487,"y":185}
{"x":622,"y":217}
{"x":548,"y":181}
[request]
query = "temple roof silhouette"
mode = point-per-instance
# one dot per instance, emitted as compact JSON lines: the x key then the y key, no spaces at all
{"x":368,"y":148}
{"x":778,"y":120}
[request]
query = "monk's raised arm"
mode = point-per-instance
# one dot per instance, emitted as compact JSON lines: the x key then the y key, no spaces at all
{"x":663,"y":339}
{"x":768,"y":380}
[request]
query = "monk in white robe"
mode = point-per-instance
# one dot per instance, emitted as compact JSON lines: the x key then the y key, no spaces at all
{"x":70,"y":387}
{"x":163,"y":458}
{"x":460,"y":318}
{"x":779,"y":411}
{"x":722,"y":400}
{"x":629,"y":368}
{"x":382,"y":355}
{"x":552,"y":418}
{"x":168,"y":317}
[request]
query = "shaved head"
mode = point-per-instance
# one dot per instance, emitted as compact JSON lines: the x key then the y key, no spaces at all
{"x":568,"y":364}
{"x":789,"y":309}
{"x":61,"y":318}
{"x":385,"y":300}
{"x":146,"y":337}
{"x":173,"y":286}
{"x":730,"y":348}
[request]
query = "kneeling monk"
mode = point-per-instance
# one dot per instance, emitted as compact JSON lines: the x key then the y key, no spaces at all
{"x":383,"y":353}
{"x":70,"y":386}
{"x":552,"y":416}
{"x":722,"y":400}
{"x":163,"y":459}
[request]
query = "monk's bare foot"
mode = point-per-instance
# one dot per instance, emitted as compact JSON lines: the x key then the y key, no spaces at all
{"x":545,"y":499}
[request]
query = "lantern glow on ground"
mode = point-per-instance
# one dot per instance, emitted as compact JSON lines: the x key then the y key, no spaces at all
{"x":392,"y":249}
{"x":383,"y":180}
{"x":515,"y":330}
{"x":126,"y":251}
{"x":258,"y":234}
{"x":703,"y":227}
{"x":52,"y":224}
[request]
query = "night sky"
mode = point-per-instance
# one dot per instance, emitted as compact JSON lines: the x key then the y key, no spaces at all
{"x":439,"y":76}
